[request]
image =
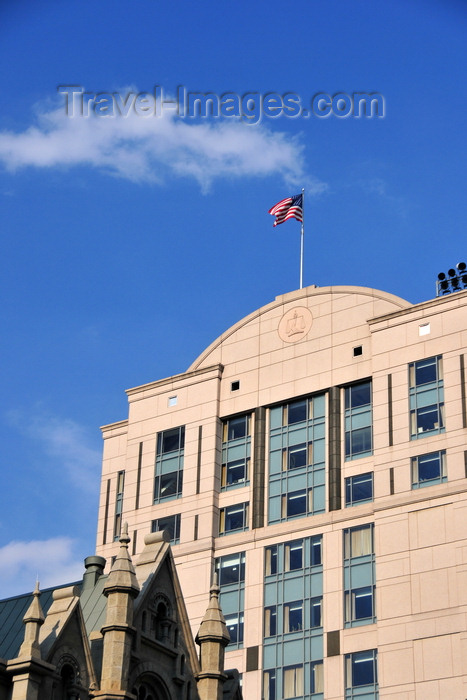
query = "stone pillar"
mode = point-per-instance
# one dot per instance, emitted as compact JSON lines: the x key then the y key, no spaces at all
{"x":28,"y":669}
{"x":121,"y":588}
{"x":212,"y":637}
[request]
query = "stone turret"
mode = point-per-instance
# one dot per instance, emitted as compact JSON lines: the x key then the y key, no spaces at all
{"x":33,"y":620}
{"x":29,"y":668}
{"x":121,"y":588}
{"x":212,"y":637}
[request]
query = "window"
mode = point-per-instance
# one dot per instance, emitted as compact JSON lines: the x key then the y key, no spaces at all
{"x":171,"y":523}
{"x":358,"y":541}
{"x":234,"y":624}
{"x":428,"y":469}
{"x":293,"y":616}
{"x":297,"y":503}
{"x":426,"y":397}
{"x":270,"y":560}
{"x":168,"y":485}
{"x":359,"y":576}
{"x":361,"y":670}
{"x":359,"y":604}
{"x":171,"y":440}
{"x":315,"y":610}
{"x":293,"y":555}
{"x":358,"y":420}
{"x":270,"y":621}
{"x":297,"y":411}
{"x":317,"y":677}
{"x":235,"y":428}
{"x":424,"y":329}
{"x":236,"y":446}
{"x":235,"y":472}
{"x":316,"y":545}
{"x":293,"y":624}
{"x":233,"y":518}
{"x":231,"y":569}
{"x":269,"y":685}
{"x":119,"y":505}
{"x":142,"y":691}
{"x":293,"y":681}
{"x":297,"y":456}
{"x":231,"y":573}
{"x":169,"y":464}
{"x":359,"y":489}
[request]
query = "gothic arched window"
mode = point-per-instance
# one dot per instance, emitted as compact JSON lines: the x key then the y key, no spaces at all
{"x":144,"y":692}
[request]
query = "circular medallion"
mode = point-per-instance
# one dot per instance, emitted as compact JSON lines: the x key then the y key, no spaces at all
{"x":295,"y":324}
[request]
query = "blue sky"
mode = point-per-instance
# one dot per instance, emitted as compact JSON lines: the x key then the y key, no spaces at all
{"x":129,"y":244}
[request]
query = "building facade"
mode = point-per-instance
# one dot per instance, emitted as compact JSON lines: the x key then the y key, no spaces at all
{"x":314,"y":455}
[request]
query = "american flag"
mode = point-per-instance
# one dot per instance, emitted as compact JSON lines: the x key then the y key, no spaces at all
{"x":290,"y":208}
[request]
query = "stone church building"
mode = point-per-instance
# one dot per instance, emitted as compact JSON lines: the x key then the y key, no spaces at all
{"x":120,"y":636}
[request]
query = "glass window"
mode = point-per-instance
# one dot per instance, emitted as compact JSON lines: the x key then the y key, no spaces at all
{"x":234,"y":624}
{"x":168,"y":485}
{"x":233,"y":518}
{"x":270,"y":621}
{"x":361,"y":669}
{"x":235,"y":428}
{"x":235,"y":472}
{"x":296,"y":503}
{"x":358,"y":420}
{"x":119,"y":505}
{"x":231,"y":576}
{"x":171,"y":523}
{"x":231,"y":569}
{"x":293,"y":616}
{"x":359,"y":489}
{"x":316,"y":544}
{"x":293,"y":681}
{"x":359,"y":576}
{"x":358,"y":541}
{"x":269,"y":685}
{"x":293,"y":555}
{"x":297,"y":456}
{"x":236,"y":445}
{"x":168,"y":481}
{"x":359,"y":604}
{"x":358,"y":395}
{"x":296,"y":412}
{"x":428,"y":469}
{"x":171,"y":440}
{"x":316,"y":607}
{"x":426,"y":396}
{"x":317,"y":677}
{"x":426,"y":371}
{"x":270,"y":559}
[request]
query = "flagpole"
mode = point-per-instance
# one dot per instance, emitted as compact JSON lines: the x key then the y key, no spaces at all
{"x":302,"y":236}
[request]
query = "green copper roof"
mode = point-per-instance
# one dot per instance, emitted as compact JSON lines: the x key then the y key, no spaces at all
{"x":12,"y":611}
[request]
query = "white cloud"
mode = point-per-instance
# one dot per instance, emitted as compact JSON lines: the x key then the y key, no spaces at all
{"x":378,"y":187}
{"x":67,"y":443}
{"x":153,"y":149}
{"x":52,"y":561}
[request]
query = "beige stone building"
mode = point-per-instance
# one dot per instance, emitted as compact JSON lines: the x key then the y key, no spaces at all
{"x":315,"y":454}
